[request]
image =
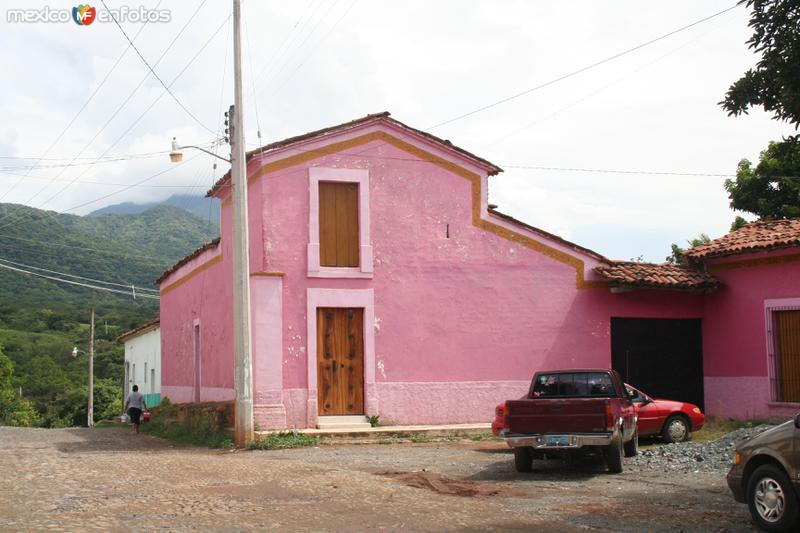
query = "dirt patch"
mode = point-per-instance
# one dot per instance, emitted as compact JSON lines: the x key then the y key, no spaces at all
{"x":445,"y":485}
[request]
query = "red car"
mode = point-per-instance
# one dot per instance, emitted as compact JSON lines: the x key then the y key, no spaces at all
{"x":674,"y":421}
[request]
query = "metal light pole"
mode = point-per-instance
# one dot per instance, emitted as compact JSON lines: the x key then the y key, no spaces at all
{"x":243,"y":376}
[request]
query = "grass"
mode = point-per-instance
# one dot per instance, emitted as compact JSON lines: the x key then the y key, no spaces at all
{"x":163,"y":423}
{"x":479,"y":437}
{"x":282,"y":440}
{"x":183,"y":434}
{"x":716,"y":427}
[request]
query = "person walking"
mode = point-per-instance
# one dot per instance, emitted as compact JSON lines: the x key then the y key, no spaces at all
{"x":134,"y":406}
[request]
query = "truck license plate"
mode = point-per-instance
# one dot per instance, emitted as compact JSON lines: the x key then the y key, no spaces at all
{"x":557,"y":440}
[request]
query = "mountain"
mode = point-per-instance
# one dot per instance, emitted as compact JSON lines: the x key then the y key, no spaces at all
{"x":41,"y":319}
{"x":204,"y":208}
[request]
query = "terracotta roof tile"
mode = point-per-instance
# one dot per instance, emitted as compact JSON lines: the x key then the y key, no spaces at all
{"x":757,"y":236}
{"x":375,"y":117}
{"x":176,"y":266}
{"x":657,"y":276}
{"x":140,"y":329}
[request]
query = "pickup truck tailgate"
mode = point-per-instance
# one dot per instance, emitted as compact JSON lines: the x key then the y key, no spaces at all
{"x":561,"y":415}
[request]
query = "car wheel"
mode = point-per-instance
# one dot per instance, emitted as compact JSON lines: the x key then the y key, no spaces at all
{"x":772,"y":500}
{"x":523,"y":459}
{"x":676,"y":429}
{"x":632,"y":446}
{"x":614,"y":455}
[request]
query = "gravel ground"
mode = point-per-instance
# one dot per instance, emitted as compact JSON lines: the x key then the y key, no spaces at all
{"x":110,"y":480}
{"x":713,"y":456}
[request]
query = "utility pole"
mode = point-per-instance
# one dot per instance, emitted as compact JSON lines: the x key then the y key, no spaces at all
{"x":243,"y":377}
{"x":90,"y":415}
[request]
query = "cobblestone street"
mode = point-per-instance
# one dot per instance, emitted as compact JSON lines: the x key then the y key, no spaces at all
{"x":108,"y":479}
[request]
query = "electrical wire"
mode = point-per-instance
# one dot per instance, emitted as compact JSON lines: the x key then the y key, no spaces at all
{"x":40,"y":269}
{"x":84,"y":106}
{"x":287,"y":38}
{"x":580,"y":70}
{"x":252,"y":79}
{"x":104,"y":183}
{"x":111,"y":118}
{"x":314,"y":48}
{"x":77,"y":283}
{"x":152,"y":71}
{"x":123,"y":189}
{"x":307,"y":37}
{"x":161,"y":263}
{"x":124,"y":133}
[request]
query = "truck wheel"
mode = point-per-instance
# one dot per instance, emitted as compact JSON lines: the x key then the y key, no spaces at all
{"x":676,"y":429}
{"x":772,"y":500}
{"x":614,"y":455}
{"x":523,"y":460}
{"x":632,"y":446}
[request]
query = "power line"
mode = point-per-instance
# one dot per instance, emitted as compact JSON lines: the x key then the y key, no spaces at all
{"x":111,"y":118}
{"x":161,"y":263}
{"x":314,"y":47}
{"x":104,"y":183}
{"x":83,"y":107}
{"x":619,"y":171}
{"x":40,"y":269}
{"x":127,"y":187}
{"x":152,"y":71}
{"x":80,"y":284}
{"x":582,"y":69}
{"x":532,"y":167}
{"x":252,"y":79}
{"x":124,"y":133}
{"x":279,"y":51}
{"x":307,"y":36}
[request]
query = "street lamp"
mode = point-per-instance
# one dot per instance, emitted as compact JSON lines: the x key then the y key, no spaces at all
{"x":242,"y":352}
{"x":176,"y":155}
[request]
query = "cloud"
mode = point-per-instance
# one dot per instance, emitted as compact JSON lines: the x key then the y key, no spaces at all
{"x":655,"y":109}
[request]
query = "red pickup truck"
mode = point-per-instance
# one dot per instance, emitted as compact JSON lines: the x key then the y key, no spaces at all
{"x":568,"y":412}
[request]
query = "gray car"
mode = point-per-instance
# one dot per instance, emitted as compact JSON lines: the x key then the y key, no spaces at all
{"x":765,"y":476}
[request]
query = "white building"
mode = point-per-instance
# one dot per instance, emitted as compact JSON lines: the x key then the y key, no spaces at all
{"x":143,"y":361}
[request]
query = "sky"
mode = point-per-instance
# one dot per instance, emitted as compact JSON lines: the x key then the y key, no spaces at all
{"x":316,"y":63}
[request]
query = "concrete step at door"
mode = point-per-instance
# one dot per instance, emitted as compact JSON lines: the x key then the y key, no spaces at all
{"x":343,"y":422}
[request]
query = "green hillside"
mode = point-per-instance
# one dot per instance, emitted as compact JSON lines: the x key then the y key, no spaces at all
{"x":41,"y":320}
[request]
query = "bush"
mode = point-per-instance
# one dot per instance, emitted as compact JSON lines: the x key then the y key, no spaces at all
{"x":189,"y":427}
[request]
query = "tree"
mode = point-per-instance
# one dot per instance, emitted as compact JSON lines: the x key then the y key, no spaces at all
{"x":738,"y":223}
{"x":774,"y":83}
{"x":676,"y":256}
{"x":771,"y":190}
{"x":14,"y":410}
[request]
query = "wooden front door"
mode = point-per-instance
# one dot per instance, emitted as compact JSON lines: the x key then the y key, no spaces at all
{"x":340,"y":361}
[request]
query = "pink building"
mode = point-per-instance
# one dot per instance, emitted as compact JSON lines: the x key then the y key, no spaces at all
{"x":383,"y":283}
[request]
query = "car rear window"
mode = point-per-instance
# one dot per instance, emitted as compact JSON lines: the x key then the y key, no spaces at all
{"x":580,"y":384}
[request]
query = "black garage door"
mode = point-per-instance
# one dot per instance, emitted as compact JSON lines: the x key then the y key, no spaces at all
{"x":663,"y":357}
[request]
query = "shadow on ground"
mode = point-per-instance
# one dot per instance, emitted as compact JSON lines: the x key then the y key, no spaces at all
{"x":115,"y":439}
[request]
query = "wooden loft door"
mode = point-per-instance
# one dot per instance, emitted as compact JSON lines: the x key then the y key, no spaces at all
{"x":340,"y":361}
{"x":338,"y":224}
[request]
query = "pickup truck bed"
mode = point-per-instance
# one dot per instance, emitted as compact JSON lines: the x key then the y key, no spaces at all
{"x":571,"y":411}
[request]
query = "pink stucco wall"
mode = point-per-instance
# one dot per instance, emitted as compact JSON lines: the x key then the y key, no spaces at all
{"x":460,"y":322}
{"x":735,"y":336}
